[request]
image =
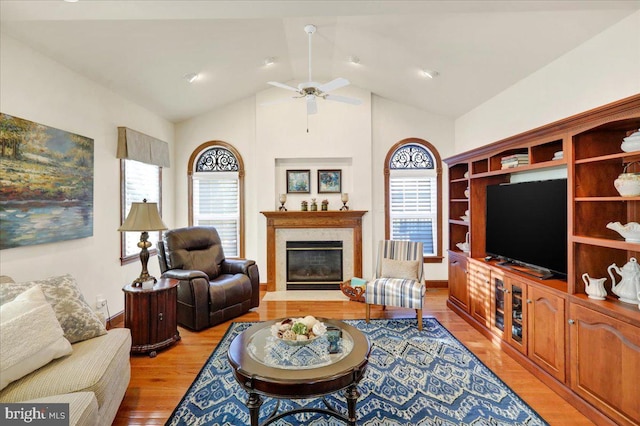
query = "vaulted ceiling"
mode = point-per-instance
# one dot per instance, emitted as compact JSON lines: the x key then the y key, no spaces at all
{"x":143,"y":49}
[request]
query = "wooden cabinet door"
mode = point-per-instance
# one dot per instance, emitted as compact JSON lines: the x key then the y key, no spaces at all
{"x":164,"y":313}
{"x":605,"y":363}
{"x":458,"y":288}
{"x":546,"y":322}
{"x":515,"y":313}
{"x":498,"y":296}
{"x":480,"y":292}
{"x":137,"y":307}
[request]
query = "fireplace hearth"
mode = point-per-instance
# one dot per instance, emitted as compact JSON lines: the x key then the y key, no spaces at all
{"x":314,"y":265}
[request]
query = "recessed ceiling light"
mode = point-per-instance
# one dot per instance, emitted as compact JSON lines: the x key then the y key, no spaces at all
{"x":354,"y":59}
{"x":269,"y":61}
{"x":71,"y":1}
{"x":191,"y":77}
{"x":430,"y":73}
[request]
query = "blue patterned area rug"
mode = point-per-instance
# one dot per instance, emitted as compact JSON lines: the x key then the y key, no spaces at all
{"x":413,"y":378}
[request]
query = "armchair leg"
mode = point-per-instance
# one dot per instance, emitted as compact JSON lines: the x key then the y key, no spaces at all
{"x":419,"y":315}
{"x":367,"y":312}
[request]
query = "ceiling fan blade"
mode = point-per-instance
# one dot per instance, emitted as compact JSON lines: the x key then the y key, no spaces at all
{"x":352,"y":101}
{"x":312,"y":107}
{"x":283,"y":86}
{"x":334,"y":84}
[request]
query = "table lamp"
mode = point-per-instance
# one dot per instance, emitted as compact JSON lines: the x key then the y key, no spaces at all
{"x":143,"y":217}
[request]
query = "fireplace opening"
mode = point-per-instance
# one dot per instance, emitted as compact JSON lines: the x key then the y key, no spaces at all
{"x":314,"y":265}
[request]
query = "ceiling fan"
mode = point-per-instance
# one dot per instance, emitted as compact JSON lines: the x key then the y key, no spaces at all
{"x":312,"y":90}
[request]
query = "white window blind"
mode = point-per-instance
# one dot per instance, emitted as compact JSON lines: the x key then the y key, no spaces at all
{"x":140,"y":181}
{"x":216,"y":202}
{"x":413,"y":207}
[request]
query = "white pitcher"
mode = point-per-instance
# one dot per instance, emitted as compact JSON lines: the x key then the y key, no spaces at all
{"x":628,"y":287}
{"x":594,"y":287}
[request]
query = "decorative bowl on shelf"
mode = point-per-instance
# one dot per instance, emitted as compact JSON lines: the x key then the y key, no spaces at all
{"x":628,"y":184}
{"x":298,"y":331}
{"x":631,"y":143}
{"x":630,"y":231}
{"x":465,"y":218}
{"x":466,"y":192}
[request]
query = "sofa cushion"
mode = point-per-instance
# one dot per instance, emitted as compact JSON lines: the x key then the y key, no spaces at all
{"x":76,"y":317}
{"x":83,"y":407}
{"x":31,"y":336}
{"x":92,"y":367}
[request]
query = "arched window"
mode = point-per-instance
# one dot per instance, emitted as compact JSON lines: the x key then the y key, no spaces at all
{"x":216,"y":187}
{"x":413,"y":195}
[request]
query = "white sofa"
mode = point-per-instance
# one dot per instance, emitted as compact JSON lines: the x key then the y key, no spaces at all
{"x":92,"y":379}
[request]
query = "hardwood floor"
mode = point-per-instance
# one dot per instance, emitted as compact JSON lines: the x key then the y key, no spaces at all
{"x":158,"y":384}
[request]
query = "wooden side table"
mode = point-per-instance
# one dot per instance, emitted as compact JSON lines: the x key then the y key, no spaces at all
{"x":151,"y":316}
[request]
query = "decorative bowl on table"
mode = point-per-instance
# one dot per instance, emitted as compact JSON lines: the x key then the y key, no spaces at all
{"x":298,"y":331}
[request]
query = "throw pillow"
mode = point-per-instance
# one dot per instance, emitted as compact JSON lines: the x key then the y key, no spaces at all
{"x":76,"y":317}
{"x":406,"y":269}
{"x":31,"y":336}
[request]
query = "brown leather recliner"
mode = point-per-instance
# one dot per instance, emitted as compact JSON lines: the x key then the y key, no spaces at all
{"x":212,"y":289}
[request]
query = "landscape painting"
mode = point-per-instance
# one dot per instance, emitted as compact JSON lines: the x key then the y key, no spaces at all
{"x":47,"y":184}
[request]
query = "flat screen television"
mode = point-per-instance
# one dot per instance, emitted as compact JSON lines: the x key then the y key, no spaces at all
{"x":527,"y":224}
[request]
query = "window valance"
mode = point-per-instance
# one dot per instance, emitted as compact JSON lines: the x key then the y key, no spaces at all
{"x":133,"y":145}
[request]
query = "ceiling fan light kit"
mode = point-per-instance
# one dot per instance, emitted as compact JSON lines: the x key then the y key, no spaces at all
{"x":311,"y":90}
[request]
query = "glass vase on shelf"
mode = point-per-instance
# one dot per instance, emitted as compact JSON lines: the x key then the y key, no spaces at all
{"x":325,"y":205}
{"x":314,"y":206}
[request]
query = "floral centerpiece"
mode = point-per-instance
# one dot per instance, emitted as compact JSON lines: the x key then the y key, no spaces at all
{"x":298,"y":330}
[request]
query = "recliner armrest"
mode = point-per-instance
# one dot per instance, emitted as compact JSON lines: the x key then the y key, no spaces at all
{"x":249,"y":268}
{"x":184,"y":274}
{"x":236,"y":266}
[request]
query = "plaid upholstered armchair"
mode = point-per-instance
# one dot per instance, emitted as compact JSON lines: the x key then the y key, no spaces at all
{"x":398,"y":279}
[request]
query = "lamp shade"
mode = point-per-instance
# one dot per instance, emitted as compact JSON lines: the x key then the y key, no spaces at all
{"x":143,"y":217}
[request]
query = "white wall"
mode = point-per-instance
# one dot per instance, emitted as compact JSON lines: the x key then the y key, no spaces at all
{"x":393,"y":122}
{"x":601,"y":70}
{"x":273,"y":138}
{"x":39,"y":89}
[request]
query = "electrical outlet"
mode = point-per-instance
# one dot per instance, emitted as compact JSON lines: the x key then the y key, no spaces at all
{"x":101,"y":302}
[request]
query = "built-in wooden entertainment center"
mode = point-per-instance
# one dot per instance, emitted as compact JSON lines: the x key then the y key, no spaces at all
{"x":586,"y":350}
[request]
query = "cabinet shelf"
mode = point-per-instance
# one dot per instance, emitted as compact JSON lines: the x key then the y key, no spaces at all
{"x":622,"y":157}
{"x":459,"y":180}
{"x":624,"y":311}
{"x":523,"y":168}
{"x":605,"y":242}
{"x":458,"y":222}
{"x":612,"y":198}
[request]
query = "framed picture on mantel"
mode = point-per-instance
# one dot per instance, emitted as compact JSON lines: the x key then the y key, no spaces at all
{"x":329,"y":181}
{"x":298,"y":181}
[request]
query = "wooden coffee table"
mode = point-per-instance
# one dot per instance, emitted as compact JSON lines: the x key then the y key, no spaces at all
{"x":264,"y":366}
